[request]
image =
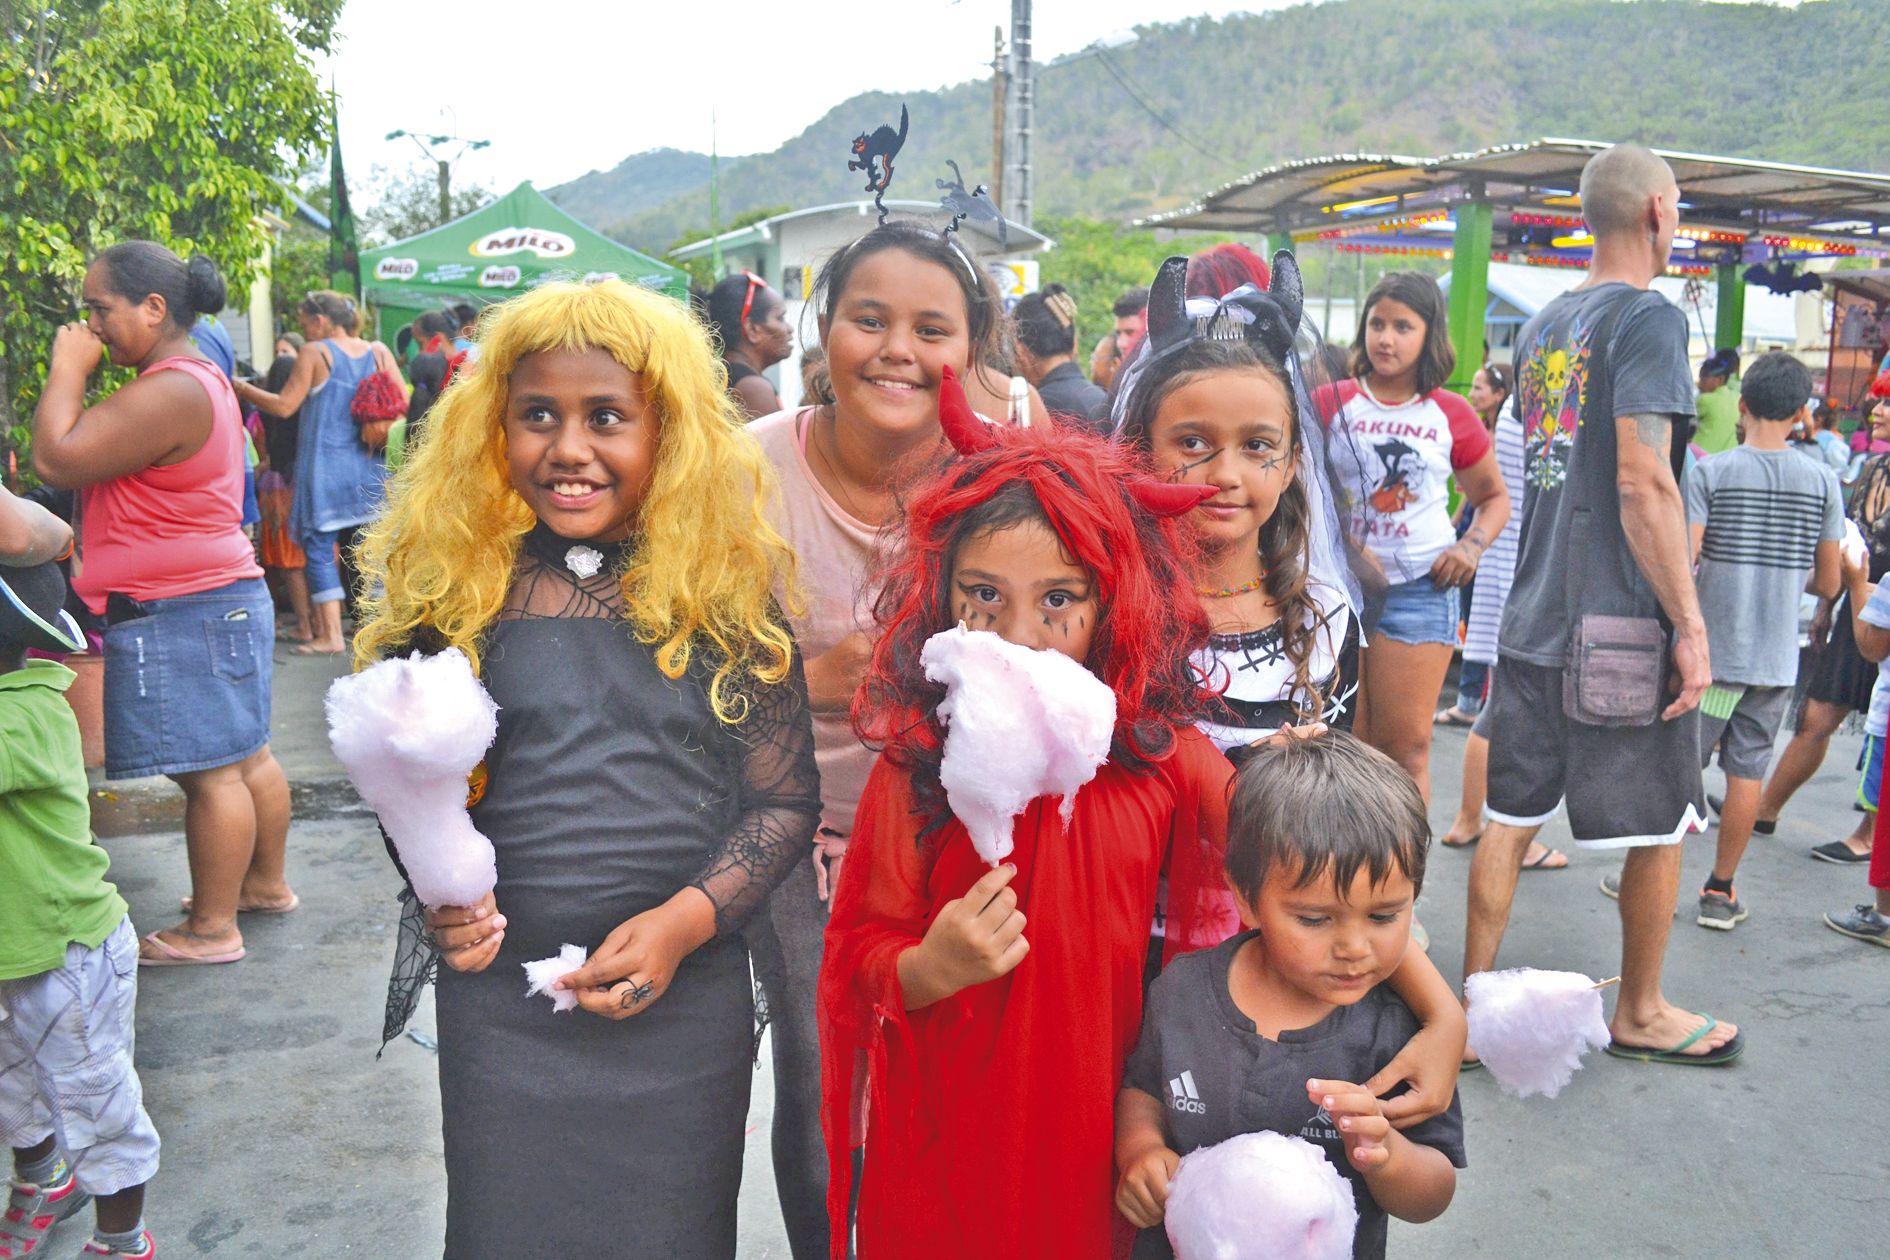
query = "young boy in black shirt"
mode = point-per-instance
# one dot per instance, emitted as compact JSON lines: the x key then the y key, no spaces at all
{"x":1266,"y":1033}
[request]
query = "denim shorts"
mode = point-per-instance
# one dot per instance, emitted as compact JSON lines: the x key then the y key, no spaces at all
{"x":187,"y":684}
{"x":1419,"y":611}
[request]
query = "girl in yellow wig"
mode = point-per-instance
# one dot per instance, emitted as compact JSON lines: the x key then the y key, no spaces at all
{"x":584,"y":519}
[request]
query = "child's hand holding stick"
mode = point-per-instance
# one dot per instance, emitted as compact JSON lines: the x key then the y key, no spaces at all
{"x":468,"y":936}
{"x":975,"y":938}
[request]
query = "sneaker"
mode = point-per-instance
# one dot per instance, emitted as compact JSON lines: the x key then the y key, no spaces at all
{"x":1720,"y":910}
{"x":1839,"y":852}
{"x":1861,"y":923}
{"x":147,"y":1250}
{"x":33,"y":1211}
{"x":1611,"y":886}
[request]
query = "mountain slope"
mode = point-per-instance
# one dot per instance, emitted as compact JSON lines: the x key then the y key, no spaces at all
{"x":1405,"y":76}
{"x":639,"y":182}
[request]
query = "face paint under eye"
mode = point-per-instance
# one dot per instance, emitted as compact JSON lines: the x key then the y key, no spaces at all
{"x":1193,"y":464}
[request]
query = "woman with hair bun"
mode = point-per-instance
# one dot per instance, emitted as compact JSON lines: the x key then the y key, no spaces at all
{"x":1045,"y":324}
{"x":189,"y":624}
{"x":338,"y":478}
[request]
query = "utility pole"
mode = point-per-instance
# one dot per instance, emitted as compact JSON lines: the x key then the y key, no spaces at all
{"x":1023,"y":84}
{"x":1000,"y":86}
{"x":444,"y":165}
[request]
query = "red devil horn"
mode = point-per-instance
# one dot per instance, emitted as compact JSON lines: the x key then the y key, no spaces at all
{"x":963,"y":429}
{"x":1168,"y":498}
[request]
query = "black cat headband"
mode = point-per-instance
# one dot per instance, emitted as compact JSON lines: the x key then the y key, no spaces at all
{"x":873,"y":152}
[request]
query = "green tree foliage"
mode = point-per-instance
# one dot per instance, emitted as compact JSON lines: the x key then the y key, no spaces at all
{"x":1098,"y":262}
{"x":170,"y":120}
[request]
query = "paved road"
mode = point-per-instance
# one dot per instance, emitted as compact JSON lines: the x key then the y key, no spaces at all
{"x":284,"y":1136}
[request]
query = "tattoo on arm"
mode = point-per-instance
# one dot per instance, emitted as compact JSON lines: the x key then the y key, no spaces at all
{"x":1654,"y":431}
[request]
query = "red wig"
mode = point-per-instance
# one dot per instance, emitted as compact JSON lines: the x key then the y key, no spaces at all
{"x":1217,"y":272}
{"x":1115,"y":523}
{"x":1880,"y":388}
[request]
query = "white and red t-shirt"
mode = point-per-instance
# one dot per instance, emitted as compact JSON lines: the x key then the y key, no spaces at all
{"x":1399,"y":486}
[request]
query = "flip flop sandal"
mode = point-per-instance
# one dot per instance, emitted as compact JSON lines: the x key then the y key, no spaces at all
{"x":1677,"y":1055}
{"x":1451,"y":717}
{"x":1541,"y":863}
{"x":163,"y":954}
{"x":1471,"y":843}
{"x":295,"y":902}
{"x":1470,"y":1065}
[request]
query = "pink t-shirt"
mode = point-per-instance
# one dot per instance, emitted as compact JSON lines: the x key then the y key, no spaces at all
{"x":835,"y":550}
{"x":1407,"y":453}
{"x":176,"y":530}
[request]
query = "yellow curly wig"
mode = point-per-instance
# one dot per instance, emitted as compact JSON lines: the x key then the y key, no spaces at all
{"x":704,"y":559}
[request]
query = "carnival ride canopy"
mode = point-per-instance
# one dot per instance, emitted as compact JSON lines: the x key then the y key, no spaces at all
{"x":1733,"y":210}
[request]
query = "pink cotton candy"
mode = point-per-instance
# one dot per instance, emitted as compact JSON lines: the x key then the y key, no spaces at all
{"x":1019,"y":724}
{"x":1260,"y":1196}
{"x":1531,"y":1028}
{"x":408,"y":732}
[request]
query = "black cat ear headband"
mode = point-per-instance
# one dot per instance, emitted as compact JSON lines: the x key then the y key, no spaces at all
{"x":873,"y":152}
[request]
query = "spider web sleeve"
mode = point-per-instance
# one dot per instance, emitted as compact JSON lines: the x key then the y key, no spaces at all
{"x":416,"y":957}
{"x":780,"y":802}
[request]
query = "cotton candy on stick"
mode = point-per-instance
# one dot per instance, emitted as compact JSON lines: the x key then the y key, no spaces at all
{"x":1531,"y":1028}
{"x":1019,"y":724}
{"x":1260,"y":1196}
{"x":408,"y":731}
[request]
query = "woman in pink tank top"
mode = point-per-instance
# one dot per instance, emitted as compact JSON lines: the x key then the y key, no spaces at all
{"x":158,"y":466}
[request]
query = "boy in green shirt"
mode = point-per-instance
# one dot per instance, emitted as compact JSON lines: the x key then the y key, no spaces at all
{"x":1718,"y":403}
{"x":71,"y":1105}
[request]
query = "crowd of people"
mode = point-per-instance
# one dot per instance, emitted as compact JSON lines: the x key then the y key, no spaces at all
{"x":703,"y":617}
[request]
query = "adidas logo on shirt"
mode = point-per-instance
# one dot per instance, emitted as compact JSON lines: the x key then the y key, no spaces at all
{"x":1183,"y":1097}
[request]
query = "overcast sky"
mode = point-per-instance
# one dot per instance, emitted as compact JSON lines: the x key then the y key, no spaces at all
{"x":560,"y":88}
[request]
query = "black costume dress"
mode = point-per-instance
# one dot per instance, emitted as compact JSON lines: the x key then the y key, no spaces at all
{"x":611,"y":788}
{"x":1834,"y":671}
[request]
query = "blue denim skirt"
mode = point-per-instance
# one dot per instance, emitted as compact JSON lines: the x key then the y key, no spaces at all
{"x":187,"y":684}
{"x":1420,"y":611}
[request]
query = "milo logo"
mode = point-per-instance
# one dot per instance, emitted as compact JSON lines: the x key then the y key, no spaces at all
{"x":512,"y":240}
{"x":496,"y":277}
{"x":396,"y":268}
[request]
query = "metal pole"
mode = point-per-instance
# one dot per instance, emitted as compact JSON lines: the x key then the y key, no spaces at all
{"x":1023,"y":76}
{"x":446,"y":195}
{"x":1000,"y":84}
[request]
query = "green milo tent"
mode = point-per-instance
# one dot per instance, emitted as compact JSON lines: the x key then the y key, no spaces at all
{"x":498,"y":251}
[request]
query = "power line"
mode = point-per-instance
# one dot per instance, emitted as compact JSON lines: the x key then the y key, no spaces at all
{"x":1122,"y":78}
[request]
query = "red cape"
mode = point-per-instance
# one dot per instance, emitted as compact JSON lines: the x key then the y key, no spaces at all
{"x":993,"y":1111}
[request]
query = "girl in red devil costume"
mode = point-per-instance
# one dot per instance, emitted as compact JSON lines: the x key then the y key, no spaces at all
{"x":974,"y":1022}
